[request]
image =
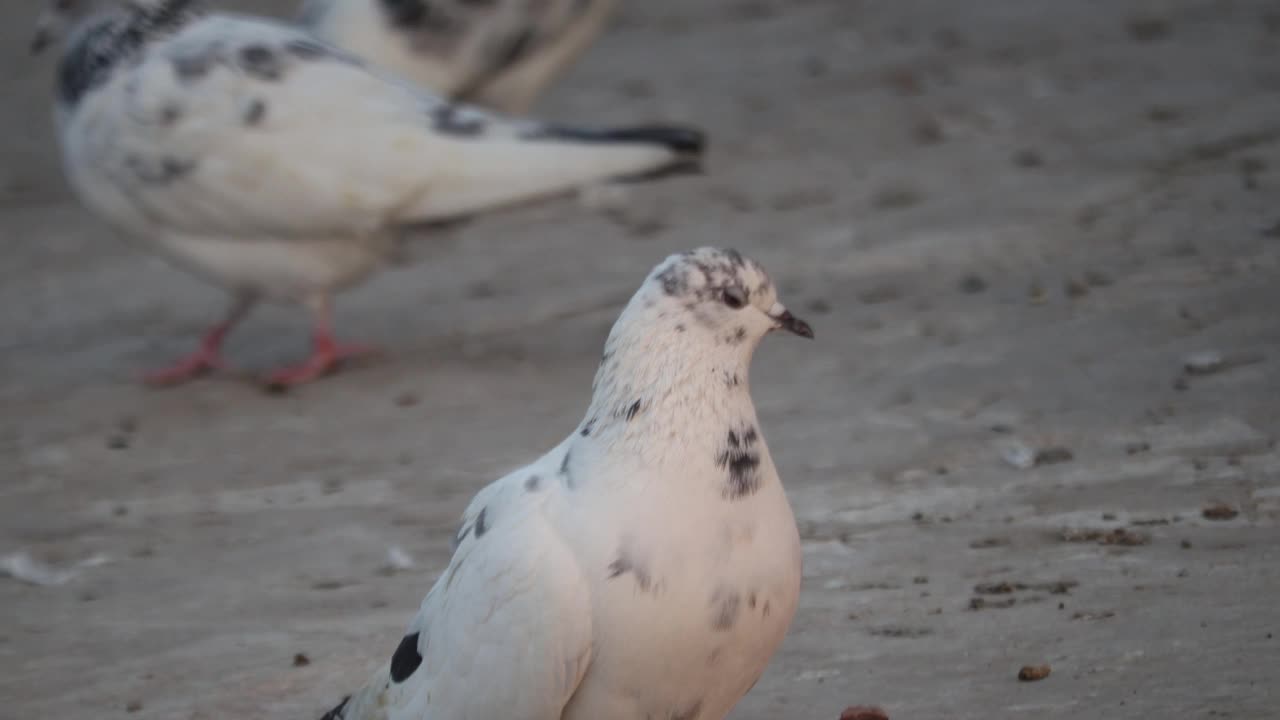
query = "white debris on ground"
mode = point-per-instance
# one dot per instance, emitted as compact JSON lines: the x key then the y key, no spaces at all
{"x":21,"y":566}
{"x":398,"y":560}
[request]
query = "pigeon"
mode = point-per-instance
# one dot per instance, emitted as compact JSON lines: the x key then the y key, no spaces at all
{"x":261,"y":159}
{"x":646,"y":567}
{"x":498,"y":54}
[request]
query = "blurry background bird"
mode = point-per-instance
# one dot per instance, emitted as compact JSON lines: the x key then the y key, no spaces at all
{"x":246,"y":152}
{"x":500,"y":54}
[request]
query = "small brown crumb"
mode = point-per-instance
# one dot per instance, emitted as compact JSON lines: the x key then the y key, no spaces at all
{"x":133,"y":706}
{"x":863,"y":712}
{"x":1219,"y":511}
{"x":407,"y":399}
{"x":1032,"y":673}
{"x":301,"y":660}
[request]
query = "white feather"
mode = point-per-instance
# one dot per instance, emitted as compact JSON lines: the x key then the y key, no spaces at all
{"x":626,"y":574}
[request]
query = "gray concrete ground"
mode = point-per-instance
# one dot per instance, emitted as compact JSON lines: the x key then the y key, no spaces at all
{"x":1011,"y":222}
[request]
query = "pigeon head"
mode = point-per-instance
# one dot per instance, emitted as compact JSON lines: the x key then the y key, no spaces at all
{"x":719,"y":293}
{"x":59,"y":16}
{"x":685,"y":342}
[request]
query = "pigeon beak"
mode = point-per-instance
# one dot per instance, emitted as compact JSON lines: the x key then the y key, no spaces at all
{"x":786,"y":321}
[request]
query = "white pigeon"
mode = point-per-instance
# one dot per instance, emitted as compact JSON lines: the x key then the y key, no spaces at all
{"x":265,"y":161}
{"x":499,"y":54}
{"x":646,"y":567}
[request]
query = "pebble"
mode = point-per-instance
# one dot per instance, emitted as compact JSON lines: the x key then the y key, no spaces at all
{"x":1220,"y":511}
{"x":1032,"y":673}
{"x":1203,"y":363}
{"x":1018,"y":454}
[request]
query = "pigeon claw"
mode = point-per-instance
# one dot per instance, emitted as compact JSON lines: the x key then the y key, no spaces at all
{"x":201,"y":362}
{"x":326,"y":357}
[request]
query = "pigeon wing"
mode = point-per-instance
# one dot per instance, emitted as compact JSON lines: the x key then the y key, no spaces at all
{"x":505,"y":631}
{"x":245,"y":128}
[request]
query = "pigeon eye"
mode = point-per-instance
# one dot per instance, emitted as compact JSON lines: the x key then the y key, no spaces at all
{"x":734,"y":297}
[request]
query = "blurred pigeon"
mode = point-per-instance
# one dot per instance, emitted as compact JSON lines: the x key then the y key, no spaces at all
{"x":646,"y":567}
{"x":265,"y":161}
{"x":499,"y":54}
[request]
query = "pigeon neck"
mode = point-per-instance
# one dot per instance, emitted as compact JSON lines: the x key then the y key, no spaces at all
{"x":664,"y":376}
{"x":103,"y":41}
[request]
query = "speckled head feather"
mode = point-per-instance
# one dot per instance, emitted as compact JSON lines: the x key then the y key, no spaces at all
{"x":142,"y":16}
{"x":691,"y":329}
{"x":717,"y":289}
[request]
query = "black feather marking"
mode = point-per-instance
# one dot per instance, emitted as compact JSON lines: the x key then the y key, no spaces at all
{"x":631,"y":411}
{"x":338,"y":712}
{"x":161,"y":172}
{"x":481,"y":522}
{"x":564,"y":469}
{"x":449,"y":120}
{"x":254,"y":114}
{"x":262,"y":62}
{"x":683,"y":140}
{"x":626,"y":562}
{"x":588,"y":426}
{"x":461,"y":535}
{"x":189,"y":68}
{"x":742,"y":462}
{"x":413,"y":14}
{"x":307,"y":49}
{"x":406,"y":659}
{"x":532,"y":483}
{"x":725,"y":603}
{"x":111,"y":41}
